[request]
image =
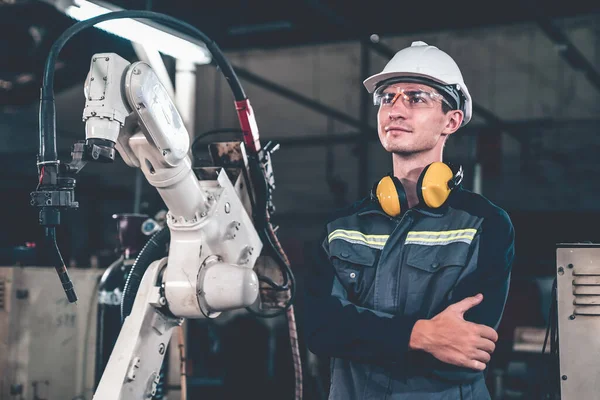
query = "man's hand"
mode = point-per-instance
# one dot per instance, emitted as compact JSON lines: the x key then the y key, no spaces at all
{"x":451,"y":339}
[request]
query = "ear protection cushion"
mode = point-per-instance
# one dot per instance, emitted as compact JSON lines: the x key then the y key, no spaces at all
{"x":432,"y":186}
{"x":391,"y":196}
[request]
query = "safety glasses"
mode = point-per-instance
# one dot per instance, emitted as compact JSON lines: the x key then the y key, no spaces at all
{"x":412,"y":98}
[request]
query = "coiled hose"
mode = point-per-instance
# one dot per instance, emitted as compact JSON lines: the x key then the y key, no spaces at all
{"x":154,"y":249}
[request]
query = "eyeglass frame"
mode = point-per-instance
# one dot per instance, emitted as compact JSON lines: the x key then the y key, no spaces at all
{"x":381,"y":92}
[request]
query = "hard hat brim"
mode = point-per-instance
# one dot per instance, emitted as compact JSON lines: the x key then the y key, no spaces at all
{"x":372,"y":82}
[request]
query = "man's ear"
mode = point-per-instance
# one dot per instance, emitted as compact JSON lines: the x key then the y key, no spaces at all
{"x":455,"y":119}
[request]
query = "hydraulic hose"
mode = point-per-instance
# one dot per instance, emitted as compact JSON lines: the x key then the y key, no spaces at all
{"x":59,"y":265}
{"x":152,"y":250}
{"x":47,"y":155}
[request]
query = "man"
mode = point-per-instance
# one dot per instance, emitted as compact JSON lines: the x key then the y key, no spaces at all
{"x":406,"y":302}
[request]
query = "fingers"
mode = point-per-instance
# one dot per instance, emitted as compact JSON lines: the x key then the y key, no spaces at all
{"x":487,"y":332}
{"x":486,"y":345}
{"x":477,"y":365}
{"x":466,"y":304}
{"x":471,"y":363}
{"x":482,"y":356}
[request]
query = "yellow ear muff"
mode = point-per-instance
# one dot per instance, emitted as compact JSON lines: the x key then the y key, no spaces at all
{"x":433,"y":188}
{"x":391,"y":196}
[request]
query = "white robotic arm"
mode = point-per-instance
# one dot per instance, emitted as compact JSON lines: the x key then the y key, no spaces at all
{"x":213,"y":246}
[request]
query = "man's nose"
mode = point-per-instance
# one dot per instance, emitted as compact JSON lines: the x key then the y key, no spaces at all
{"x":398,"y":109}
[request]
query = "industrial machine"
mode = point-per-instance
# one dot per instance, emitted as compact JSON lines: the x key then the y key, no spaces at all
{"x":133,"y":230}
{"x":577,"y":316}
{"x":46,"y":346}
{"x":218,"y":221}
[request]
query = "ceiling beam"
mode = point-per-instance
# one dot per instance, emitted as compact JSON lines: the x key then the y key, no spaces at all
{"x":301,"y":99}
{"x":489,"y":117}
{"x":325,"y":10}
{"x":564,"y":46}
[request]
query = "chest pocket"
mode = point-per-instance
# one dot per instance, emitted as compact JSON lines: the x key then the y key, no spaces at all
{"x":429,"y":274}
{"x":355,"y":267}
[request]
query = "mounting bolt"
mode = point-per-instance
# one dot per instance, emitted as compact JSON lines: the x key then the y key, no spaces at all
{"x":162,"y":301}
{"x":561,"y":270}
{"x":161,"y":348}
{"x":227,"y":208}
{"x":564,"y":377}
{"x":572,"y":317}
{"x":570,"y":266}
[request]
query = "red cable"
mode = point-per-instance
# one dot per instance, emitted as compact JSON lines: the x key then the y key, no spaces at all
{"x":41,"y":176}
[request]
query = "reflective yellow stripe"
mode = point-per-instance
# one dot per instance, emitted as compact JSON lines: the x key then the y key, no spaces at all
{"x":358,"y":234}
{"x":440,"y":237}
{"x":355,"y":236}
{"x":358,"y":238}
{"x":439,"y":233}
{"x":408,"y":240}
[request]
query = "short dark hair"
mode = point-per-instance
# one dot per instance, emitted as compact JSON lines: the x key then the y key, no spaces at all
{"x":446,"y":108}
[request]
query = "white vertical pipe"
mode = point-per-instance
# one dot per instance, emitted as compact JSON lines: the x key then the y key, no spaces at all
{"x":477,"y":174}
{"x":185,"y":101}
{"x":185,"y":93}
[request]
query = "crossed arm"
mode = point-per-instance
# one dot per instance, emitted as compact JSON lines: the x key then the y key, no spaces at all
{"x":457,"y":342}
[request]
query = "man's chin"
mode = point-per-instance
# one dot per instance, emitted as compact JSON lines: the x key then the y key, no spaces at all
{"x":395,"y":149}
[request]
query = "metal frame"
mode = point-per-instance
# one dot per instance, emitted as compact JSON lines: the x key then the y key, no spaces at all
{"x":578,"y":296}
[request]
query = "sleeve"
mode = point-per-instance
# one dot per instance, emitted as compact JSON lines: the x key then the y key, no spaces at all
{"x":335,"y":327}
{"x":491,"y":277}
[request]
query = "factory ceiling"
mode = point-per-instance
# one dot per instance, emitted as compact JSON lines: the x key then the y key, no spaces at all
{"x":28,"y":28}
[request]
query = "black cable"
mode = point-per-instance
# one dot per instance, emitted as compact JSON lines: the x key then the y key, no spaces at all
{"x":99,"y":363}
{"x":59,"y":265}
{"x":213,"y":132}
{"x":196,"y":140}
{"x":152,"y":250}
{"x":551,"y":333}
{"x":155,"y":248}
{"x":284,"y":286}
{"x":550,"y":315}
{"x":290,"y":302}
{"x":47,"y":149}
{"x":280,"y":288}
{"x":224,"y":65}
{"x":47,"y":142}
{"x":266,"y":232}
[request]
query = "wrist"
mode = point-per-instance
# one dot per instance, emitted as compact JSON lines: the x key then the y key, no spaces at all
{"x":418,"y":335}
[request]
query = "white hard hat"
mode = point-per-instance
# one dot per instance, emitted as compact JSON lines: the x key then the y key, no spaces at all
{"x":425,"y":62}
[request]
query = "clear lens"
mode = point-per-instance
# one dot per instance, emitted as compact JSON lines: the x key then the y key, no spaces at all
{"x":387,"y":97}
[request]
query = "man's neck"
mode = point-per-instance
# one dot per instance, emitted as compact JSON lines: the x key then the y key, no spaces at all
{"x":408,"y":169}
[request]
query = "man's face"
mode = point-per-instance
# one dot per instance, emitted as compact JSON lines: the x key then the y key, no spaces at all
{"x":410,"y":118}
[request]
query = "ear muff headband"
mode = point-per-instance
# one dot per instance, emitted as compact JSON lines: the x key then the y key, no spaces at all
{"x":433,"y":186}
{"x":391,"y":196}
